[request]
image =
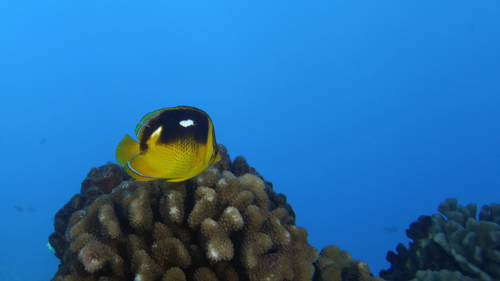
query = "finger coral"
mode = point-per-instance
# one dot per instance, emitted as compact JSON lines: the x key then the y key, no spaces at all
{"x":336,"y":265}
{"x":458,"y":244}
{"x":219,"y":225}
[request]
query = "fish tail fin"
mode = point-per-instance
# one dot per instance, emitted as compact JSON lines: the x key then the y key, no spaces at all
{"x":126,"y":149}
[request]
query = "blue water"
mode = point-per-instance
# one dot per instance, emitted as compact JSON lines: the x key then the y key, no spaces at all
{"x":365,"y":114}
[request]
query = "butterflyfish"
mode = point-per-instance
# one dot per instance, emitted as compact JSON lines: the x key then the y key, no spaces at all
{"x":175,"y":143}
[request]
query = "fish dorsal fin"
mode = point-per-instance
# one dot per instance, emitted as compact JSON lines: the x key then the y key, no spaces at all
{"x":146,"y":118}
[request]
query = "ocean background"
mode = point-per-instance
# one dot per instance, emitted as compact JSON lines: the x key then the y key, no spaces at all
{"x":365,"y":114}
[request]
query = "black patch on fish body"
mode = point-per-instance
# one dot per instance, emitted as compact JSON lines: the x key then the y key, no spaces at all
{"x":172,"y":130}
{"x":143,"y":147}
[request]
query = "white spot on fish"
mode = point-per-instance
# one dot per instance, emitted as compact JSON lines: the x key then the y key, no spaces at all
{"x":186,"y":123}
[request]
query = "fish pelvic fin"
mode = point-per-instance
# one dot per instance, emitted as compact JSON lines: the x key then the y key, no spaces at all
{"x":127,"y":149}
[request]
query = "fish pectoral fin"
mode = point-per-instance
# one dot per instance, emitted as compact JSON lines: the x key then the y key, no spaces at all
{"x":127,"y":149}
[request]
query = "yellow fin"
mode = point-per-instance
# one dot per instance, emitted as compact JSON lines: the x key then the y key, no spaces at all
{"x":136,"y":176}
{"x":126,"y":149}
{"x":179,"y":179}
{"x":217,"y":159}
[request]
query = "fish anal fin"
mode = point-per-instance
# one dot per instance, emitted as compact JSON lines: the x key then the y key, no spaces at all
{"x":143,"y":167}
{"x":127,"y":149}
{"x":179,"y":179}
{"x":137,"y":176}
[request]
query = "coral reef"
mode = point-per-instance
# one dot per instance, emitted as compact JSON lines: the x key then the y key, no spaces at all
{"x":334,"y":265}
{"x":193,"y":230}
{"x":225,"y":224}
{"x":453,"y":245}
{"x":442,"y":275}
{"x":101,"y":180}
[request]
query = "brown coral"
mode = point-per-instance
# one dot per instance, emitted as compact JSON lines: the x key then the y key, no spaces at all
{"x":216,"y":226}
{"x":336,"y":265}
{"x":240,"y":166}
{"x":225,"y":160}
{"x":206,"y":199}
{"x":95,"y":255}
{"x":108,"y":220}
{"x":174,"y":274}
{"x":105,"y":178}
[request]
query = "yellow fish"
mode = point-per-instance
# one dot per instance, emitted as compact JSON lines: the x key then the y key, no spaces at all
{"x":175,"y":143}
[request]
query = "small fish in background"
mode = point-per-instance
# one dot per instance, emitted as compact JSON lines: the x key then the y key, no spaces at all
{"x":31,"y":209}
{"x":19,"y":208}
{"x":43,"y":141}
{"x":391,"y":229}
{"x":175,"y":143}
